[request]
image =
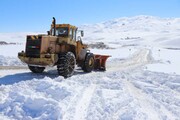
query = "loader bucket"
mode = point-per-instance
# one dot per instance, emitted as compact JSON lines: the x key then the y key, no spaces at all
{"x":100,"y":62}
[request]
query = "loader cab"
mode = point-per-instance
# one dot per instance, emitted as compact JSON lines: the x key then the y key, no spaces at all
{"x":64,"y":30}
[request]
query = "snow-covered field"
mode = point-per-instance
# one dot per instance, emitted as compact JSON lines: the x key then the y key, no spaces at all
{"x":142,"y":81}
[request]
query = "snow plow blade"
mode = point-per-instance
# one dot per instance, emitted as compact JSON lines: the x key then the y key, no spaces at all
{"x":100,"y":62}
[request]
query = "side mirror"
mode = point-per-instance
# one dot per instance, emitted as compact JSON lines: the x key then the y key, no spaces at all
{"x":82,"y":33}
{"x":48,"y":32}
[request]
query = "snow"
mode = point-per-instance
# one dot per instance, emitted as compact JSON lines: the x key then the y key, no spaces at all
{"x":15,"y":37}
{"x":82,"y":107}
{"x":142,"y":81}
{"x":167,"y":61}
{"x":11,"y":50}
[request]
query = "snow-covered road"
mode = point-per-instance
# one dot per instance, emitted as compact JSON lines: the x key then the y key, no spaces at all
{"x":127,"y":90}
{"x":142,"y":81}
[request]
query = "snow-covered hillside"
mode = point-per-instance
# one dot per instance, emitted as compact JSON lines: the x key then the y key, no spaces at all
{"x":140,"y":30}
{"x":142,"y":81}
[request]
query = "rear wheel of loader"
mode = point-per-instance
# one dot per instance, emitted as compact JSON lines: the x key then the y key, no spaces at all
{"x":36,"y":69}
{"x":88,"y":63}
{"x":66,"y":64}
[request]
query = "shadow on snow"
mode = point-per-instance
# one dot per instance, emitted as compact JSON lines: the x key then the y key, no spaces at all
{"x":15,"y":78}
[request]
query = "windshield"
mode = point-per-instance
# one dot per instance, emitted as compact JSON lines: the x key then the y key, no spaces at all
{"x":63,"y":31}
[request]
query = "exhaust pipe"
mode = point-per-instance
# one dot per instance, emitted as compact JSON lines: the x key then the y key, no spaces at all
{"x":54,"y":24}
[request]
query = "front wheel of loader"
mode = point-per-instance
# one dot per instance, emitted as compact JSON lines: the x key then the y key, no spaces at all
{"x":66,"y":64}
{"x":88,"y":63}
{"x":36,"y":69}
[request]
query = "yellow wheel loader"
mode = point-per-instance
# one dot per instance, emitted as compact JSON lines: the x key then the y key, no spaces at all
{"x":61,"y":48}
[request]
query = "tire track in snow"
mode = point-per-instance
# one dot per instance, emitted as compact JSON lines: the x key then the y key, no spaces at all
{"x":82,"y":106}
{"x":71,"y":107}
{"x":142,"y":100}
{"x":140,"y":58}
{"x":146,"y":103}
{"x":165,"y":99}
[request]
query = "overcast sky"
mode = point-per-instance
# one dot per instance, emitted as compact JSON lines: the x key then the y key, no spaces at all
{"x":36,"y":15}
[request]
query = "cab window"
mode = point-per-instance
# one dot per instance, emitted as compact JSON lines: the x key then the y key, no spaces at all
{"x":71,"y":33}
{"x":74,"y":34}
{"x":63,"y":32}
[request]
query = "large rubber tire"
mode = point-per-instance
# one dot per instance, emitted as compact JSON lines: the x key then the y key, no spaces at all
{"x":36,"y":69}
{"x":89,"y":62}
{"x":66,"y":64}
